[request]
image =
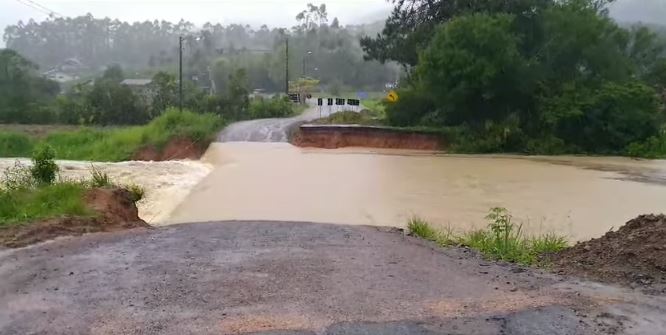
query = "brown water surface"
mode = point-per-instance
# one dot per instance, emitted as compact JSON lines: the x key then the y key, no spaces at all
{"x":581,"y":197}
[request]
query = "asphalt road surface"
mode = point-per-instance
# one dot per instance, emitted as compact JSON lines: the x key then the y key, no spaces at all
{"x":295,"y":278}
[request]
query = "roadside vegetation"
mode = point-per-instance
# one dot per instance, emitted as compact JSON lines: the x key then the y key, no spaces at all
{"x":117,"y":144}
{"x":36,"y":193}
{"x":535,"y":77}
{"x":364,"y":117}
{"x":501,"y":240}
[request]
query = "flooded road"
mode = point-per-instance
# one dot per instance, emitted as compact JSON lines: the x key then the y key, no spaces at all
{"x":578,"y":197}
{"x":268,"y":130}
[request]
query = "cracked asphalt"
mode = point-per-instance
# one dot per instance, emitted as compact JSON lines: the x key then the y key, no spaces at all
{"x":296,"y":278}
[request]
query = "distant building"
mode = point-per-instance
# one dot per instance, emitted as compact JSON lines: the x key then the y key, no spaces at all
{"x":143,"y":88}
{"x":59,"y":76}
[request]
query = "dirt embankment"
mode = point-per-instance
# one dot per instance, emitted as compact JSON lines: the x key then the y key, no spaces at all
{"x":178,"y":148}
{"x":115,"y":210}
{"x":634,"y":255}
{"x":339,"y":136}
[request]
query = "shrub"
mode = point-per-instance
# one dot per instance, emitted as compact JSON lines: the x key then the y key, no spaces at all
{"x":44,"y":168}
{"x":271,"y":108}
{"x":653,"y":147}
{"x":409,"y":110}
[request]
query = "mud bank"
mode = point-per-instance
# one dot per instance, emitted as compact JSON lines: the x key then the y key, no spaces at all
{"x":166,"y":184}
{"x":178,"y":148}
{"x":114,"y":208}
{"x":340,"y":136}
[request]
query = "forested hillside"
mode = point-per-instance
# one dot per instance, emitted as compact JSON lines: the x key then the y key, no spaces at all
{"x":319,"y":47}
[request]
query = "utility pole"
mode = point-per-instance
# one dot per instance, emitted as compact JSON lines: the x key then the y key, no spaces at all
{"x":180,"y":72}
{"x":286,"y":67}
{"x":305,"y":58}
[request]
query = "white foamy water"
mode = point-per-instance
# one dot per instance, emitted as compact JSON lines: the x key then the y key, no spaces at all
{"x":166,"y":183}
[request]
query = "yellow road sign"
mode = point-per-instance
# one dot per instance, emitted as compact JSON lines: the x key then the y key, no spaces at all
{"x":392,"y":96}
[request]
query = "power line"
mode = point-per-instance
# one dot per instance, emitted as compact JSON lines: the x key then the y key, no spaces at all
{"x":39,"y":7}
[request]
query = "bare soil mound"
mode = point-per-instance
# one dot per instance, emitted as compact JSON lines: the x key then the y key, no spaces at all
{"x":634,"y":255}
{"x":115,"y":211}
{"x":178,"y":148}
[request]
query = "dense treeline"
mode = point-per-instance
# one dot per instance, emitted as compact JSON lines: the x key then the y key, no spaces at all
{"x":28,"y":98}
{"x":537,"y":76}
{"x":23,"y":93}
{"x":319,"y":49}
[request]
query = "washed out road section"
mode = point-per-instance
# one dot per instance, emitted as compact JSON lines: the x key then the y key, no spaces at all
{"x":295,"y":278}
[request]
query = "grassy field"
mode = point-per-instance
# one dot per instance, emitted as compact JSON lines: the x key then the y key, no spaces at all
{"x":37,"y":130}
{"x":114,"y":144}
{"x":502,"y":240}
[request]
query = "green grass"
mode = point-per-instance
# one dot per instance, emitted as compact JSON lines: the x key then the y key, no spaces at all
{"x":376,"y":107}
{"x":44,"y":202}
{"x":14,"y":144}
{"x":502,"y":240}
{"x":117,"y":144}
{"x":349,"y":117}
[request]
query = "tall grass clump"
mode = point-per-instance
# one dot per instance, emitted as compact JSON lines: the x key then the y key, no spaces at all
{"x":501,"y":240}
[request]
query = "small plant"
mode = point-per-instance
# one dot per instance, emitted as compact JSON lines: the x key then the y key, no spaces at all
{"x":17,"y":177}
{"x":44,"y":168}
{"x":137,"y":192}
{"x":99,"y":178}
{"x":506,"y":234}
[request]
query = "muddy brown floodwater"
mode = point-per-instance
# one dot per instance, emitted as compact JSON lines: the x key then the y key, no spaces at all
{"x":580,"y":197}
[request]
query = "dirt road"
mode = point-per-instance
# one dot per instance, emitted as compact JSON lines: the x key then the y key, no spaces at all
{"x":295,"y":278}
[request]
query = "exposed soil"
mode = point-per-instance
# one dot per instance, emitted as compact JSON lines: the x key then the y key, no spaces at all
{"x":634,"y":255}
{"x":178,"y":148}
{"x":339,"y":136}
{"x":115,"y":211}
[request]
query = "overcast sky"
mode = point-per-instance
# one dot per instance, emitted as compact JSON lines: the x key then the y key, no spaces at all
{"x":253,"y":12}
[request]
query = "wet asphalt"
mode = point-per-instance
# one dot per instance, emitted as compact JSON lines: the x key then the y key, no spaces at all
{"x":296,"y":278}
